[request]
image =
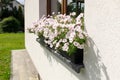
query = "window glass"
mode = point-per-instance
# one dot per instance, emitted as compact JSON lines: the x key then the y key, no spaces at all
{"x":75,"y":6}
{"x":67,"y":6}
{"x":56,"y":6}
{"x":59,"y":4}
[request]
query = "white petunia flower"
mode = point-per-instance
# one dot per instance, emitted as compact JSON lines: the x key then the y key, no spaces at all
{"x":73,"y":14}
{"x":65,"y":47}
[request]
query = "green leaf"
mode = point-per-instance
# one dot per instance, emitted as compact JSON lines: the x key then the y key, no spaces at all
{"x":72,"y":49}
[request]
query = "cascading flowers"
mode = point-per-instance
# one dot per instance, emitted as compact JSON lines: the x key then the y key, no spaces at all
{"x":61,"y":32}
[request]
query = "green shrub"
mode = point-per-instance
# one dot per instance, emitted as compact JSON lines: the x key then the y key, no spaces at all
{"x":1,"y":31}
{"x":10,"y":24}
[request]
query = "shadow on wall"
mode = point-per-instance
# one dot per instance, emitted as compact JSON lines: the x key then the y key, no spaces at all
{"x":53,"y":59}
{"x":94,"y":66}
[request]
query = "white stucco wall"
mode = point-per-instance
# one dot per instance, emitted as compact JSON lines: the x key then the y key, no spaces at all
{"x":102,"y":19}
{"x":101,"y":56}
{"x":32,"y":12}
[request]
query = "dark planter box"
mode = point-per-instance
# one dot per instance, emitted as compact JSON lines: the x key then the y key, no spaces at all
{"x":41,"y":40}
{"x":75,"y":61}
{"x":77,"y":58}
{"x":64,"y":54}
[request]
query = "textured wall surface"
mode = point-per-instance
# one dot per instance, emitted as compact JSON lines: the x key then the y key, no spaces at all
{"x":102,"y":19}
{"x":32,"y":12}
{"x":102,"y":53}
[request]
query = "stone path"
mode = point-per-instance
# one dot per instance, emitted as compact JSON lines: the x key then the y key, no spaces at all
{"x":22,"y":67}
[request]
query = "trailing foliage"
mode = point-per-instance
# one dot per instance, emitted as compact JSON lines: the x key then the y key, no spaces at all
{"x":61,"y":32}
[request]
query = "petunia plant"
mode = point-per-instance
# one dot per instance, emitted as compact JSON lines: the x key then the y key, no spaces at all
{"x":61,"y":32}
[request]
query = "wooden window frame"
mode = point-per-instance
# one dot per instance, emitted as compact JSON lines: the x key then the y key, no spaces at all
{"x":63,"y":6}
{"x":48,"y":7}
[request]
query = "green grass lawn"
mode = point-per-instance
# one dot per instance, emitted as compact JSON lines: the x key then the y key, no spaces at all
{"x":8,"y":42}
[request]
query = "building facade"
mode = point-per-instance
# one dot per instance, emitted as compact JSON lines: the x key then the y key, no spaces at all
{"x":101,"y":54}
{"x":14,"y":3}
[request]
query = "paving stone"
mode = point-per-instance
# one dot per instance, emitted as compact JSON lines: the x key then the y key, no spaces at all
{"x":22,"y":67}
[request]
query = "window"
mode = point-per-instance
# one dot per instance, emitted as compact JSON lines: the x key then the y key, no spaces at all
{"x":65,"y":6}
{"x":48,"y":7}
{"x":75,"y":6}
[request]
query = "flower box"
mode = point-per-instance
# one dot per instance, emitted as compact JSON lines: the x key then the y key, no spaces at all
{"x":77,"y":58}
{"x":75,"y":61}
{"x":64,"y":36}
